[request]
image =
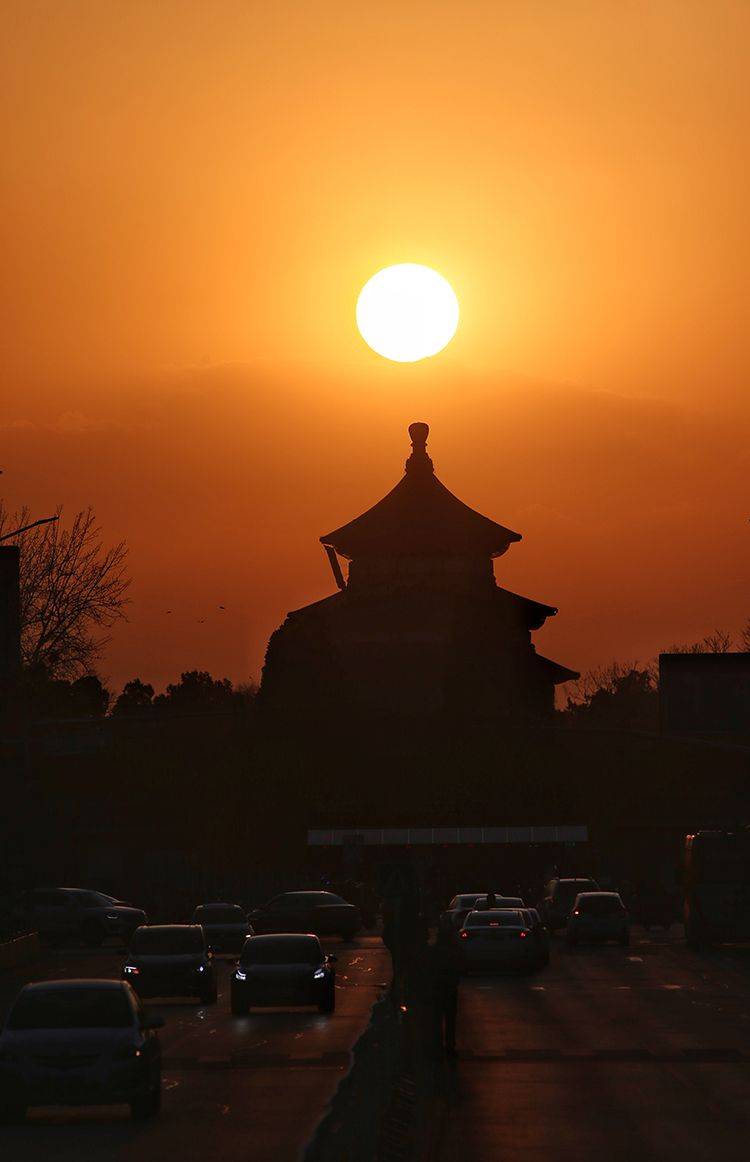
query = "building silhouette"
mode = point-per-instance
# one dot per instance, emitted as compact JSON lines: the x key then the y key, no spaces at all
{"x":419,"y":629}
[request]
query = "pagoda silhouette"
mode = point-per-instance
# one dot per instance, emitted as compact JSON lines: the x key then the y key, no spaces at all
{"x":419,"y":629}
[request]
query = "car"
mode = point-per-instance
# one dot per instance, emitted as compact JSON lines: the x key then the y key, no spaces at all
{"x":284,"y":969}
{"x":59,"y":914}
{"x":170,"y":960}
{"x":559,"y":898}
{"x":323,"y":913}
{"x":598,"y":916}
{"x":497,"y":938}
{"x":79,"y":1042}
{"x":225,"y":926}
{"x":540,"y":933}
{"x":461,"y":905}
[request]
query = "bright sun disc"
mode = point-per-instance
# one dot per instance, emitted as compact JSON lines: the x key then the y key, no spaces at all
{"x":407,"y":312}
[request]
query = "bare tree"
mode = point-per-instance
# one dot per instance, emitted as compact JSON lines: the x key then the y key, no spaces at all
{"x":744,"y":642}
{"x":71,"y":588}
{"x":718,"y":642}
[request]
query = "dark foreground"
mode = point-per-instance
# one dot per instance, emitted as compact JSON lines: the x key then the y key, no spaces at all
{"x":628,"y":1055}
{"x":238,"y":1088}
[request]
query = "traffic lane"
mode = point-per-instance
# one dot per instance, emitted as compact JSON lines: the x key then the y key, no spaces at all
{"x":254,"y":1086}
{"x":624,"y":1050}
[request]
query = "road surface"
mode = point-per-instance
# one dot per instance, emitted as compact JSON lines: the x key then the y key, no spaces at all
{"x":237,"y":1088}
{"x":626,"y":1055}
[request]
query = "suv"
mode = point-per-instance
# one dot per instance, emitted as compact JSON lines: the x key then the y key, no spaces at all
{"x":559,"y":898}
{"x":171,"y":960}
{"x":599,"y":916}
{"x":59,"y":914}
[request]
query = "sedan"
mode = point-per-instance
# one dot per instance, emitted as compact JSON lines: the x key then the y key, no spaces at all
{"x":461,"y":905}
{"x":79,"y":1042}
{"x":598,"y":917}
{"x":499,"y":938}
{"x":225,"y":926}
{"x":59,"y":914}
{"x":284,"y":970}
{"x":171,"y":960}
{"x":319,"y":912}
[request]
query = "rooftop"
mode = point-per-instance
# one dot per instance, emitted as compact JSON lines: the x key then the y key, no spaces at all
{"x":420,"y":517}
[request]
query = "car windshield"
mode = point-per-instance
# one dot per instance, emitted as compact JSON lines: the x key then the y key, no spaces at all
{"x":79,"y":1008}
{"x":91,"y":899}
{"x":219,"y":914}
{"x":167,"y":941}
{"x":291,"y":950}
{"x":600,"y":905}
{"x":494,"y":920}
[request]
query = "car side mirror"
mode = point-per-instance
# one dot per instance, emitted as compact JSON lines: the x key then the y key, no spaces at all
{"x":152,"y":1022}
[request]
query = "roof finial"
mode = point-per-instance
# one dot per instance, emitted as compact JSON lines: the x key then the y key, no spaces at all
{"x":419,"y":461}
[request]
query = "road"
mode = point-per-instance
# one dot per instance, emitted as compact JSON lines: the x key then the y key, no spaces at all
{"x":250,"y":1088}
{"x":622,"y":1054}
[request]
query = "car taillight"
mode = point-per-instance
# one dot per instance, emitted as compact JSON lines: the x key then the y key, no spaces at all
{"x":464,"y":934}
{"x":523,"y":935}
{"x":576,"y":911}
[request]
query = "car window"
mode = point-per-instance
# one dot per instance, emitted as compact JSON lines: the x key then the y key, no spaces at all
{"x":167,"y":941}
{"x":79,"y":1008}
{"x":290,"y":950}
{"x":600,"y":906}
{"x":48,"y":900}
{"x":90,"y":899}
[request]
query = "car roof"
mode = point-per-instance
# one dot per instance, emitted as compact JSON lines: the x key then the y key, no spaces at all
{"x":217,"y":904}
{"x":39,"y":986}
{"x":282,"y":937}
{"x":496,"y":912}
{"x":582,"y":895}
{"x":308,"y":892}
{"x":168,"y":927}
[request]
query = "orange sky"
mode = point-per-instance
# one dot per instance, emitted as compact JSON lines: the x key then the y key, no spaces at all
{"x":192,"y":195}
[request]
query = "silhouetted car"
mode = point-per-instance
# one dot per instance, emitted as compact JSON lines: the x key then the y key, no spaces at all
{"x":59,"y":914}
{"x":225,"y":926}
{"x":559,"y":898}
{"x":286,"y":969}
{"x":79,"y":1042}
{"x":170,"y":960}
{"x":498,"y":938}
{"x":539,"y":931}
{"x":461,"y":905}
{"x":598,"y":916}
{"x":320,"y":912}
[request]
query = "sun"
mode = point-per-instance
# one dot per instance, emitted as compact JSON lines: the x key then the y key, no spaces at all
{"x":407,"y":312}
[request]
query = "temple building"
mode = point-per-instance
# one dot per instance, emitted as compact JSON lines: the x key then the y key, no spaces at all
{"x":419,"y":627}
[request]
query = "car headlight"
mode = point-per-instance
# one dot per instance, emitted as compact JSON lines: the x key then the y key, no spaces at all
{"x":131,"y":970}
{"x":319,"y":974}
{"x":201,"y":968}
{"x":240,"y":975}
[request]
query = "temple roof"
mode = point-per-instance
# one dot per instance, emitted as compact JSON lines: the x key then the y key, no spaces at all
{"x":420,"y":517}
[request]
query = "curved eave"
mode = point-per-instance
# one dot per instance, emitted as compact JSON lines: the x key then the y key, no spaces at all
{"x":420,"y":517}
{"x":554,"y":672}
{"x":535,"y":612}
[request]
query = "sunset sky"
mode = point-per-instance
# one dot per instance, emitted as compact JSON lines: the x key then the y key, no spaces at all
{"x":193,"y":194}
